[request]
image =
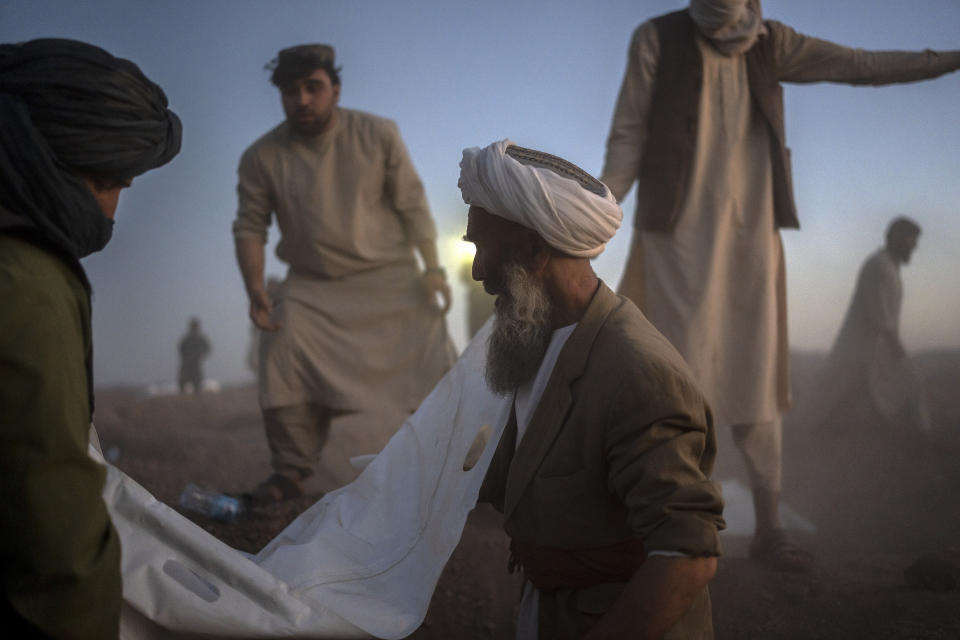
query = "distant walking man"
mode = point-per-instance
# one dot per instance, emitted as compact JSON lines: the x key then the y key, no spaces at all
{"x":193,"y":347}
{"x":699,"y":125}
{"x":868,"y":377}
{"x":358,"y":324}
{"x":77,"y":125}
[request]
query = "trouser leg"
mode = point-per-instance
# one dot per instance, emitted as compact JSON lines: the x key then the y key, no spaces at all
{"x":762,"y":447}
{"x":296,"y":435}
{"x":190,"y":374}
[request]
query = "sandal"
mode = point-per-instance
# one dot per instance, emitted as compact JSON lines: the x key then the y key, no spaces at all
{"x":276,"y":488}
{"x":775,"y":549}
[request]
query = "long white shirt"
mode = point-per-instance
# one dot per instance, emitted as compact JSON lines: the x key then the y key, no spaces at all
{"x":715,"y":285}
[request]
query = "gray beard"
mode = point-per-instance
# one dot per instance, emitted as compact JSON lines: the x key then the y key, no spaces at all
{"x":521,"y":332}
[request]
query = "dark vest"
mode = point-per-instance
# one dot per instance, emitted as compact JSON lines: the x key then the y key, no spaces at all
{"x":674,"y":117}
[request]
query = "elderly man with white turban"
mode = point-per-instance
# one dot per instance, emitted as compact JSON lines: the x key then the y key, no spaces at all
{"x":699,"y":125}
{"x":602,"y":473}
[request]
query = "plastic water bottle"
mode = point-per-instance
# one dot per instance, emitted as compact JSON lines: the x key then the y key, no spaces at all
{"x":210,"y":503}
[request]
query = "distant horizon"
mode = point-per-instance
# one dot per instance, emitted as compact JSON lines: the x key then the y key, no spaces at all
{"x":169,"y":387}
{"x":455,"y":75}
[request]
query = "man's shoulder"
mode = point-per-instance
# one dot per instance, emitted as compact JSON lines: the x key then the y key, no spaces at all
{"x":265,"y":149}
{"x":670,"y":17}
{"x":634,"y":368}
{"x":27,"y":264}
{"x":629,"y":346}
{"x":365,"y":122}
{"x":275,"y":137}
{"x":880,"y":265}
{"x":777,"y":31}
{"x":880,"y":260}
{"x":33,"y":278}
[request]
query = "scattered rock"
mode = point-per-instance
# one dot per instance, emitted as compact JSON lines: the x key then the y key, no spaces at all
{"x":937,"y":571}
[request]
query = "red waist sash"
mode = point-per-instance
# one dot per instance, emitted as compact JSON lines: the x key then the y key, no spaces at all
{"x":550,"y":568}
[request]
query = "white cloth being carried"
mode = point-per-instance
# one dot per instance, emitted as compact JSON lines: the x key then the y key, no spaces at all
{"x":363,"y":561}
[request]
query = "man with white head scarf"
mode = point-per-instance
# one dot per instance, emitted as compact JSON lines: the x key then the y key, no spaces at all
{"x":602,"y":472}
{"x":699,"y":125}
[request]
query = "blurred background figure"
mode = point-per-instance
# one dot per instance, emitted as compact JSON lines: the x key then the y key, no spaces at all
{"x":194,"y":347}
{"x":77,"y":125}
{"x":868,"y":380}
{"x":699,"y":125}
{"x":357,"y":324}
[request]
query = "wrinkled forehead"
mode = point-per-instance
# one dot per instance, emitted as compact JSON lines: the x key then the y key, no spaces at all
{"x":476,"y":220}
{"x":482,"y":223}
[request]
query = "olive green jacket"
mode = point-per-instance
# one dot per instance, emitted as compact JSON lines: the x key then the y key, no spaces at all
{"x":59,"y":553}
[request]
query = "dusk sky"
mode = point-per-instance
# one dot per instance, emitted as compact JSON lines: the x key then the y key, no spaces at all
{"x":456,"y":74}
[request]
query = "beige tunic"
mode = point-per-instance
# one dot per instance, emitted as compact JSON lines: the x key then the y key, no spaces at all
{"x":715,"y":285}
{"x":864,"y":367}
{"x":357,"y":328}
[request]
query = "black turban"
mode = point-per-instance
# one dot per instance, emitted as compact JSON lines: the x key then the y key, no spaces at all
{"x":69,"y":108}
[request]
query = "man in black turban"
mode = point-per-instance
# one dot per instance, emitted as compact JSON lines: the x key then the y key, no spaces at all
{"x":76,"y":126}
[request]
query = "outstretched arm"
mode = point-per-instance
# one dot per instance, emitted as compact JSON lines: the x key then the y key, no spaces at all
{"x":802,"y":58}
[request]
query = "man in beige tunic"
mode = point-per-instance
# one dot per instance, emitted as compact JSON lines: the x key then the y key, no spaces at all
{"x":868,"y":378}
{"x":699,"y":124}
{"x":357,"y":324}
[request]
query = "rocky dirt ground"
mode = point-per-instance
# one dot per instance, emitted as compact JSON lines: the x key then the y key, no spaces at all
{"x":879,"y":501}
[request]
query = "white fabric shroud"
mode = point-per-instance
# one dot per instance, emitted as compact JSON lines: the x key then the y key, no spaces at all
{"x":567,"y":216}
{"x":363,"y":561}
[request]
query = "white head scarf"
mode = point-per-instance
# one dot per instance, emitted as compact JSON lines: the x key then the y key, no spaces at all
{"x":732,"y":26}
{"x":572,"y":211}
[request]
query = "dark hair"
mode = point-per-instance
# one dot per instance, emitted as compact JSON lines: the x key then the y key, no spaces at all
{"x":902,"y":226}
{"x":288,"y":75}
{"x":297,"y":62}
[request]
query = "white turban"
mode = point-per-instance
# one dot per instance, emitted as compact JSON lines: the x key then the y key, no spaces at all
{"x":733,"y":26}
{"x":572,"y":211}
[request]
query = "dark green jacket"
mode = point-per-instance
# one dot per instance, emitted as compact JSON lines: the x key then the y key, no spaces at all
{"x":59,"y":553}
